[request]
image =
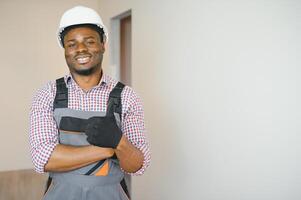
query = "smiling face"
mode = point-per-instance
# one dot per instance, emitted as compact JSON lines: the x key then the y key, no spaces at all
{"x":83,"y":51}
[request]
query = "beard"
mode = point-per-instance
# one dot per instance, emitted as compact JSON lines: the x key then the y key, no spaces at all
{"x":86,"y":69}
{"x":85,"y":72}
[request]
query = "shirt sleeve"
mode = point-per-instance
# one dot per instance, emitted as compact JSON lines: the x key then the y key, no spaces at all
{"x":133,"y":125}
{"x":43,"y":136}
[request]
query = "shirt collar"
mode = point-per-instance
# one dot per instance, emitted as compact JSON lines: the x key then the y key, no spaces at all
{"x":105,"y":79}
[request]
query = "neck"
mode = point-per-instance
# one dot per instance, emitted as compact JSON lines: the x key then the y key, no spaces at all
{"x":87,"y":82}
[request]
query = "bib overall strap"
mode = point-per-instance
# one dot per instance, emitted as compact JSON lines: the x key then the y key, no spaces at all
{"x":115,"y":106}
{"x":60,"y":101}
{"x":114,"y":103}
{"x":61,"y":97}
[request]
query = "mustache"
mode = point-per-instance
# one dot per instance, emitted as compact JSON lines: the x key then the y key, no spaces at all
{"x":81,"y":55}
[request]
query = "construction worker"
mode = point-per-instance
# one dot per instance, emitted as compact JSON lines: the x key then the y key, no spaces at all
{"x":87,"y":130}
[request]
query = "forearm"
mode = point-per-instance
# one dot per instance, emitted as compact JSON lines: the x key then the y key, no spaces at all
{"x":130,"y":158}
{"x":66,"y":158}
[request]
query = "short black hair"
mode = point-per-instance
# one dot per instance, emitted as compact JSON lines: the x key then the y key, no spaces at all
{"x":99,"y":30}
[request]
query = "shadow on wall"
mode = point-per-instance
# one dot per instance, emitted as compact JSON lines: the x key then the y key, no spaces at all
{"x":22,"y":184}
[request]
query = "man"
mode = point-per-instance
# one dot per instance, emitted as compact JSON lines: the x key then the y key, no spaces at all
{"x":86,"y":129}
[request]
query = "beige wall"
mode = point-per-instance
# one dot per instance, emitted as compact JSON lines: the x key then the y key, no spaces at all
{"x":30,"y":57}
{"x":220,"y":83}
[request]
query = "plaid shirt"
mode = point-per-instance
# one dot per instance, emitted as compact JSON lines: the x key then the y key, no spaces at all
{"x":43,"y":128}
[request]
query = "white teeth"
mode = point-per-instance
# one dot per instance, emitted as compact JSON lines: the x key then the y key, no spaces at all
{"x":83,"y":60}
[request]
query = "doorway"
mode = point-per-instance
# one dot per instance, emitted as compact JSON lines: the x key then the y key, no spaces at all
{"x":121,"y":47}
{"x":126,"y":50}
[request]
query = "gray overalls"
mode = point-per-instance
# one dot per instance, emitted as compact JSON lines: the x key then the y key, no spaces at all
{"x":97,"y":181}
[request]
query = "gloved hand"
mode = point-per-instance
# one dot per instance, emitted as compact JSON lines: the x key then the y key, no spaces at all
{"x":103,"y":132}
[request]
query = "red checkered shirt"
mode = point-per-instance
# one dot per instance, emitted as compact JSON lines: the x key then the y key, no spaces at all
{"x":43,"y":128}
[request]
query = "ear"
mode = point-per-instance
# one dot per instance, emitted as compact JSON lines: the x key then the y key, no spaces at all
{"x":103,"y":47}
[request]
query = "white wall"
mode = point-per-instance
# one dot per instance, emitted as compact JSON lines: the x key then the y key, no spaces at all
{"x":220,"y":83}
{"x":30,"y":56}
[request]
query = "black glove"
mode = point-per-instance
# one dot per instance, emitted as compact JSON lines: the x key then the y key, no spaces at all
{"x":103,"y":132}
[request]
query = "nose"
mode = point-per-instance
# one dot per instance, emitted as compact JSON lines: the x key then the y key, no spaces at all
{"x":81,"y":47}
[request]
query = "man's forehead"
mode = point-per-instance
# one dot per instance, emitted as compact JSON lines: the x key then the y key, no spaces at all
{"x":82,"y":30}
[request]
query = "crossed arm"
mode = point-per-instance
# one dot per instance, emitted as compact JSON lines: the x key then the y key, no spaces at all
{"x":66,"y":158}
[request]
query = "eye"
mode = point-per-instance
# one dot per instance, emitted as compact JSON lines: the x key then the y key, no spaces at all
{"x":90,"y":42}
{"x":71,"y":45}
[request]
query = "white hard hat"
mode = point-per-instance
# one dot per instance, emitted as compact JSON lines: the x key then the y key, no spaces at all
{"x":80,"y":15}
